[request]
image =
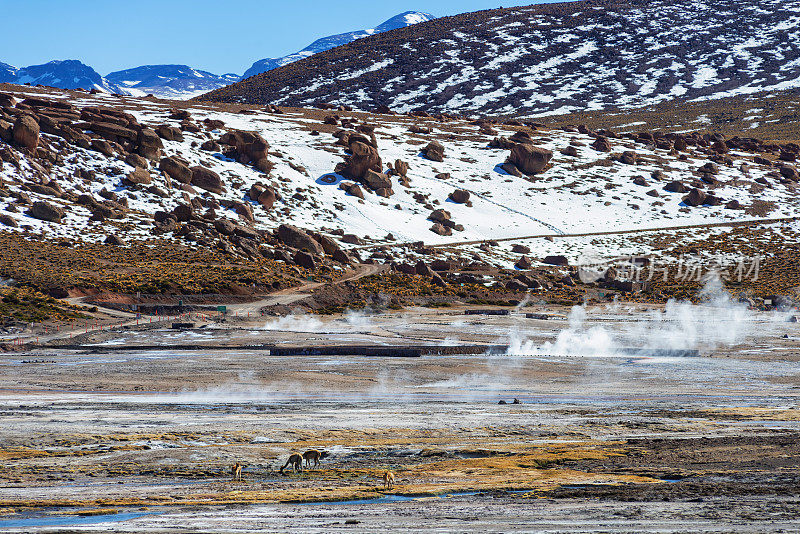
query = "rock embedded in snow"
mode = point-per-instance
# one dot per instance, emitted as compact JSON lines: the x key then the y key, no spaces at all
{"x":363,"y":158}
{"x":789,"y":172}
{"x":401,"y":168}
{"x":169,"y":133}
{"x":441,"y":229}
{"x":377,"y":180}
{"x":675,"y":187}
{"x":530,"y":159}
{"x":434,"y":151}
{"x":46,"y":212}
{"x":694,"y":198}
{"x":459,"y":196}
{"x":523,"y":264}
{"x":7,"y":101}
{"x":629,"y":157}
{"x":440,"y":216}
{"x":601,"y":144}
{"x":135,"y":160}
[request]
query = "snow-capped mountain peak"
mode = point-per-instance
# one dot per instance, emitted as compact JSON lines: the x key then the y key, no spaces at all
{"x":402,"y":20}
{"x":169,"y":81}
{"x":66,"y":74}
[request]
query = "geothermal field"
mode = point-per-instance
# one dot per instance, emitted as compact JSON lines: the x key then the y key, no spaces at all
{"x":615,"y":418}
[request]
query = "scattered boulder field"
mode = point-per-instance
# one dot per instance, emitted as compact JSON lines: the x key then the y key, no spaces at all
{"x":331,"y":187}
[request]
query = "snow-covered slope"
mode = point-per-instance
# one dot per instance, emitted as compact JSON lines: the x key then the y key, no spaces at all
{"x":585,"y":189}
{"x":67,"y":74}
{"x":8,"y":73}
{"x":169,"y":81}
{"x":326,"y":43}
{"x":552,"y":58}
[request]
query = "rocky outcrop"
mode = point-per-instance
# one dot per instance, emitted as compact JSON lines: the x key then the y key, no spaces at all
{"x":247,"y":148}
{"x":363,"y":157}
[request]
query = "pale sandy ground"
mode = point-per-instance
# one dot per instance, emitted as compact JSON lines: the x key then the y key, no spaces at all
{"x":151,"y":435}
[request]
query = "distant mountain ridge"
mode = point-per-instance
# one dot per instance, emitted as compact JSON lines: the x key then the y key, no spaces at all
{"x":178,"y":81}
{"x":169,"y":81}
{"x":550,"y":59}
{"x":402,"y":20}
{"x":64,"y":74}
{"x":8,"y":73}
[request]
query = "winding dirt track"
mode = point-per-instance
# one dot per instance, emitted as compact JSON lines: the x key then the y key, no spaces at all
{"x":294,"y":294}
{"x":285,"y":297}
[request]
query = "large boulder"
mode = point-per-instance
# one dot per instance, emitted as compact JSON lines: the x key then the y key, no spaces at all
{"x":459,"y":196}
{"x":135,"y":160}
{"x":206,"y":179}
{"x":183,"y":212}
{"x":297,"y":238}
{"x":305,"y":260}
{"x":249,"y":147}
{"x":113,"y":132}
{"x":149,"y":144}
{"x":694,"y":198}
{"x":601,"y":144}
{"x":243,"y":210}
{"x":355,"y":190}
{"x":561,"y":261}
{"x":377,"y":180}
{"x":330,"y":246}
{"x":675,"y":187}
{"x":26,"y":132}
{"x":176,"y":170}
{"x":170,"y":133}
{"x":267,"y":198}
{"x":439,"y":216}
{"x":530,"y":159}
{"x":441,"y":229}
{"x":434,"y":151}
{"x":45,"y":211}
{"x":401,"y":167}
{"x":629,"y":157}
{"x":139,"y":176}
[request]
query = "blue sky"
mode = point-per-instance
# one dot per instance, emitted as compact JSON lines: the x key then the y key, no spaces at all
{"x":219,"y":36}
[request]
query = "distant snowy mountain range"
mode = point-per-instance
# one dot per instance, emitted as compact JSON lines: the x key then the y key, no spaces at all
{"x":409,"y":18}
{"x":169,"y":81}
{"x":177,"y":81}
{"x":68,"y":74}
